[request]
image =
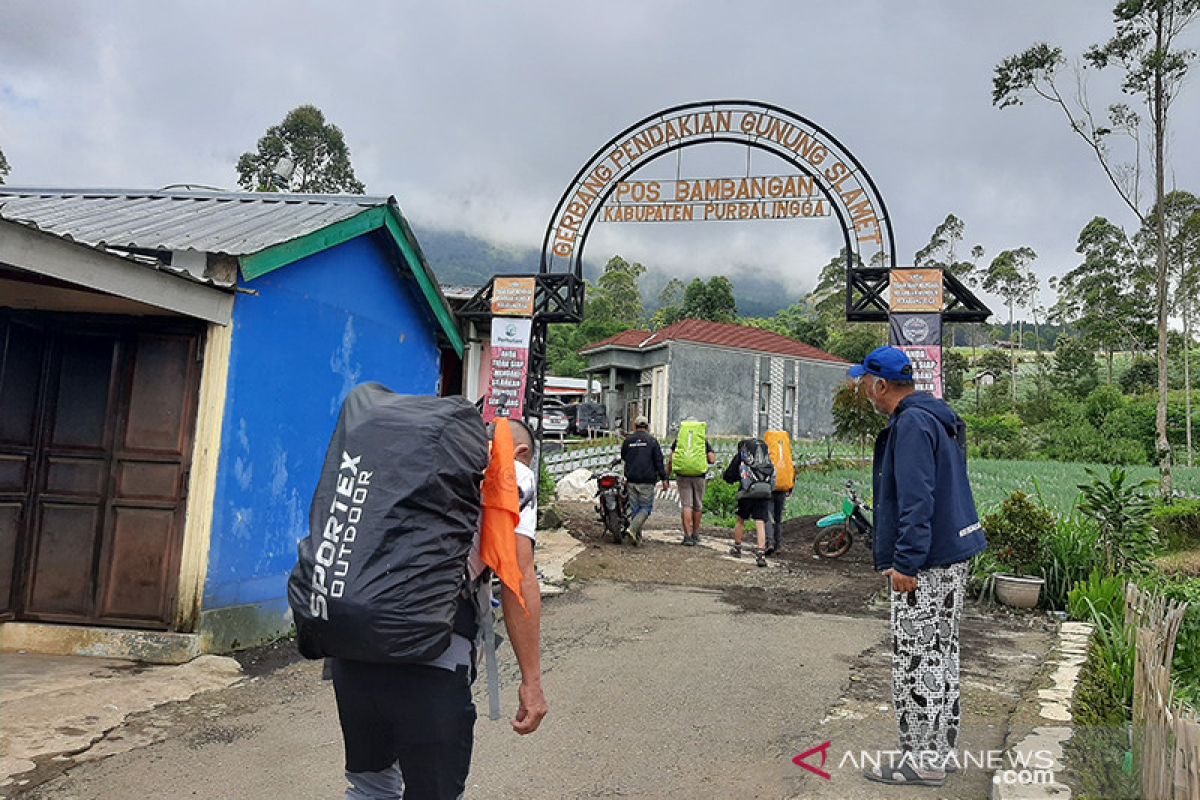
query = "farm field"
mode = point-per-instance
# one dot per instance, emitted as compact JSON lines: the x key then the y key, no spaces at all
{"x":992,"y":481}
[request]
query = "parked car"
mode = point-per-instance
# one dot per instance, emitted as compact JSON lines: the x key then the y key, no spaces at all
{"x":554,"y":420}
{"x":589,"y":418}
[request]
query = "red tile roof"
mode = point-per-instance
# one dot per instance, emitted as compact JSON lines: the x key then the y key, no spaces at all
{"x":718,"y":334}
{"x":629,"y":339}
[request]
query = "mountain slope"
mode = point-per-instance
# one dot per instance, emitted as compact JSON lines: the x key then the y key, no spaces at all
{"x":460,"y":259}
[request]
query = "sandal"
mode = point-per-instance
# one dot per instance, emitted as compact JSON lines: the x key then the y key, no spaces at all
{"x":904,"y":774}
{"x":736,"y":551}
{"x":760,"y":558}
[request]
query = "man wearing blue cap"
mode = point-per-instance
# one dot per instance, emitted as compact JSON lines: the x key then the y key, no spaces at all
{"x":926,"y":530}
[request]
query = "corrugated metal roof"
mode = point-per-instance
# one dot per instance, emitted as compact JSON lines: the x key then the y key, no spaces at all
{"x":230,"y":223}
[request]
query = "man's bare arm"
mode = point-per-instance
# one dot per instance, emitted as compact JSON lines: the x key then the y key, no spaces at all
{"x":524,"y":631}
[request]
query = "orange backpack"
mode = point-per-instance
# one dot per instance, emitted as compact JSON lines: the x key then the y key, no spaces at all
{"x":780,"y":445}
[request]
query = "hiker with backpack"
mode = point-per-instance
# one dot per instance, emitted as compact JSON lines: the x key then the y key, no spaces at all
{"x":691,"y":455}
{"x":752,"y":470}
{"x":780,"y":446}
{"x":392,"y":585}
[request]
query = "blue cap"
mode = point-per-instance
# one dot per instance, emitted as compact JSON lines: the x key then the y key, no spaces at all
{"x":889,"y":363}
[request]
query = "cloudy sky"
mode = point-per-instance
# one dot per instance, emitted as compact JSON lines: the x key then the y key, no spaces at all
{"x":477,"y":115}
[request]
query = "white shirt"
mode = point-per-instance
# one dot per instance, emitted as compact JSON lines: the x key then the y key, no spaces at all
{"x":459,"y":651}
{"x":526,"y":526}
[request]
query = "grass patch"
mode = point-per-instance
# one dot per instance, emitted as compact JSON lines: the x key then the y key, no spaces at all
{"x":1057,"y":484}
{"x":1181,"y":563}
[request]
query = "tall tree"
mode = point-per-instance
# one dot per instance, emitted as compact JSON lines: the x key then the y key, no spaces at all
{"x":1180,"y":213}
{"x":612,"y":305}
{"x":1074,"y":367}
{"x":710,"y":300}
{"x":854,"y":418}
{"x":942,"y":251}
{"x":670,"y":305}
{"x":1145,"y":46}
{"x":1104,"y":297}
{"x":1010,"y":276}
{"x":315,"y":147}
{"x":828,"y":297}
{"x":618,"y":297}
{"x":1188,"y":284}
{"x":3,"y":167}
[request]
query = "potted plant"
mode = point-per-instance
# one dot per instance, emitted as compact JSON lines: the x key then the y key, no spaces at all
{"x":1018,"y":531}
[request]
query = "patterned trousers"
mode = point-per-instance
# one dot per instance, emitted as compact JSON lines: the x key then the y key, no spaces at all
{"x":925,"y":684}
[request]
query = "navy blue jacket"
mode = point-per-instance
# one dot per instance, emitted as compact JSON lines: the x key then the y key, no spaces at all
{"x":924,"y":512}
{"x":643,"y":458}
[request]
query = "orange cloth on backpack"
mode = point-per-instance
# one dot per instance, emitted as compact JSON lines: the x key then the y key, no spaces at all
{"x":502,"y":512}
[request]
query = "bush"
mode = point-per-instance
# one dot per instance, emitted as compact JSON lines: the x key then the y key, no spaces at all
{"x":997,"y":436}
{"x":1178,"y":524}
{"x":982,"y":579}
{"x":1018,"y":532}
{"x":720,"y":501}
{"x":1100,"y":712}
{"x":1070,"y":557}
{"x":1121,"y":512}
{"x":1185,"y":668}
{"x":1099,"y":599}
{"x":1103,"y":429}
{"x":1103,"y":700}
{"x":1140,"y":378}
{"x":546,"y":487}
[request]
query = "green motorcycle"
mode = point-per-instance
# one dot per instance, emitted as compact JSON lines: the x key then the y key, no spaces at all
{"x":837,"y":531}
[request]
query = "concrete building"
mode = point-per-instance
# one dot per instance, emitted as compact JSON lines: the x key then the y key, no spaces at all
{"x":739,"y":380}
{"x":171,"y":367}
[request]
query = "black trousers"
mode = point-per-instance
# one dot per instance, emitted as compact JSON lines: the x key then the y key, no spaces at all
{"x":775,"y":532}
{"x":419,"y":716}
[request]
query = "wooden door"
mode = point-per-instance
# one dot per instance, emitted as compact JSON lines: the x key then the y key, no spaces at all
{"x":99,"y":525}
{"x":21,"y":356}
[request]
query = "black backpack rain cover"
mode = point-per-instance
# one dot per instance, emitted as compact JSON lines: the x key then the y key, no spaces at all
{"x":390,"y":528}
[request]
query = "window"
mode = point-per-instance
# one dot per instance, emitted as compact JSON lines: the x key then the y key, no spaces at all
{"x":764,"y":398}
{"x":789,"y":400}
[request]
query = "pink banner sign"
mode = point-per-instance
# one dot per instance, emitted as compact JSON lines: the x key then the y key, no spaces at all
{"x":927,"y":367}
{"x":509,"y":369}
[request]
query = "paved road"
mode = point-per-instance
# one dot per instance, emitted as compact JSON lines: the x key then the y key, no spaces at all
{"x":655,"y":692}
{"x":658,"y":689}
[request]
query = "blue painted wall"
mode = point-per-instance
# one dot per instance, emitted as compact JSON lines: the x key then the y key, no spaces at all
{"x":317,"y":328}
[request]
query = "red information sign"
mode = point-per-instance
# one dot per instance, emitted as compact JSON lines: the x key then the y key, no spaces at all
{"x":509,"y":370}
{"x":927,"y":367}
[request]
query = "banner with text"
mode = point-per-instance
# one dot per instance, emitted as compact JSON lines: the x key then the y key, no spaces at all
{"x":916,"y":291}
{"x":513,"y":297}
{"x":510,"y":369}
{"x":927,"y":367}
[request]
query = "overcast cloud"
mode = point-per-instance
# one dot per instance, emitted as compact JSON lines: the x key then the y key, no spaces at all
{"x":477,"y":115}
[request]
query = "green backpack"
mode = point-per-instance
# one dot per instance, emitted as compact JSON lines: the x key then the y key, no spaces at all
{"x":691,"y":455}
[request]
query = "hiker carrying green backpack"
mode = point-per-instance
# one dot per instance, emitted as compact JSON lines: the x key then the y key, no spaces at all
{"x":690,"y":458}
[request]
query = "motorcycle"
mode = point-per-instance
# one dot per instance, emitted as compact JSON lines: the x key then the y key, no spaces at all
{"x":612,"y":503}
{"x":837,"y":531}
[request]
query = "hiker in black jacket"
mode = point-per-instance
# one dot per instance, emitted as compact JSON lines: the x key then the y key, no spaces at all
{"x":644,"y":468}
